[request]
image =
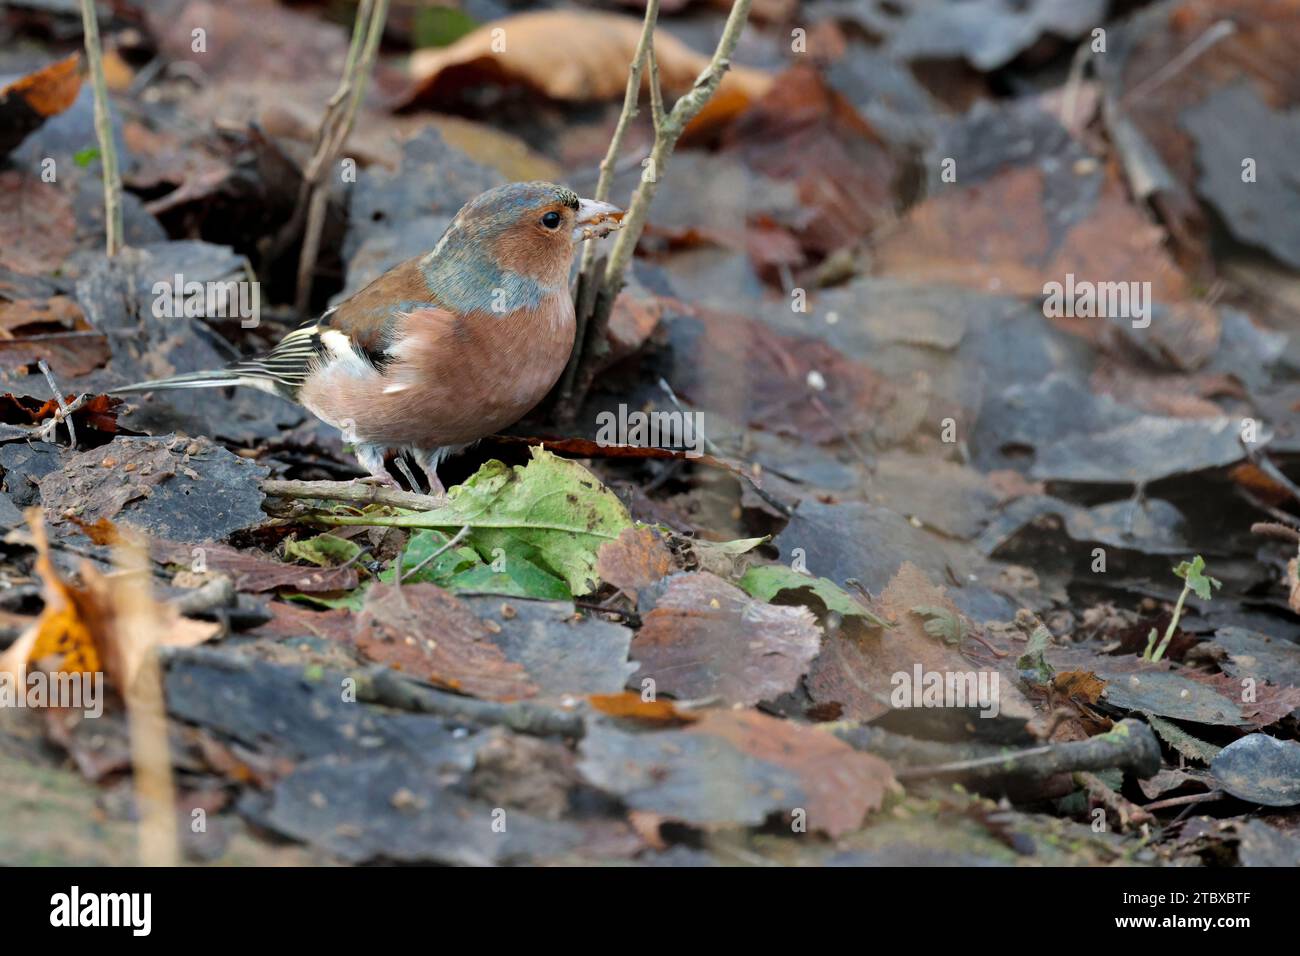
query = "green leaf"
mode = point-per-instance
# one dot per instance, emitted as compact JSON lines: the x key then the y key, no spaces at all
{"x":1032,"y":659}
{"x":440,"y":26}
{"x":462,"y":571}
{"x":349,"y":600}
{"x":521,"y":578}
{"x":324,"y":550}
{"x":942,"y":623}
{"x":85,"y":156}
{"x":1193,"y":573}
{"x":730,"y":548}
{"x":766,"y":581}
{"x":551,"y":512}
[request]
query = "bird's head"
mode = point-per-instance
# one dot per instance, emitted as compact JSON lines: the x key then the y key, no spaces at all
{"x":533,"y":228}
{"x":513,"y":244}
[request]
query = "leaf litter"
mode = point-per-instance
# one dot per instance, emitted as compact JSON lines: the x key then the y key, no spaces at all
{"x":919,"y":473}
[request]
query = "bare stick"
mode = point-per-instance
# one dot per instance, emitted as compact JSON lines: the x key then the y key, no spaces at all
{"x":391,"y":689}
{"x":1207,"y":797}
{"x":597,"y":290}
{"x":103,"y":132}
{"x":336,"y":125}
{"x":589,"y":272}
{"x":58,"y":397}
{"x":1126,"y":811}
{"x":138,"y":633}
{"x":354,"y":491}
{"x":1129,"y":745}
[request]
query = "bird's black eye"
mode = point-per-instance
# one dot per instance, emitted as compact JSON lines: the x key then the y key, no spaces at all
{"x":551,"y":220}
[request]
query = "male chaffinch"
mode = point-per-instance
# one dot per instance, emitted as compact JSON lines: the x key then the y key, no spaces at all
{"x":445,"y":348}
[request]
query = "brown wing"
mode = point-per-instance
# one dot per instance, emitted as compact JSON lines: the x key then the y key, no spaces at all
{"x":369,"y":319}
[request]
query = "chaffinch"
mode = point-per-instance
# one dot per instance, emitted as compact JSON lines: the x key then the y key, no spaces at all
{"x":445,"y":348}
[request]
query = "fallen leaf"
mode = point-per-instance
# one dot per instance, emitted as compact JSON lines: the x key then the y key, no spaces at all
{"x":28,"y":102}
{"x":708,"y":638}
{"x":1085,"y":685}
{"x":632,"y":705}
{"x":520,"y":50}
{"x":551,"y":512}
{"x":79,"y":629}
{"x":766,"y":581}
{"x":427,"y":633}
{"x":1260,"y":769}
{"x":840,"y":785}
{"x":636,"y":559}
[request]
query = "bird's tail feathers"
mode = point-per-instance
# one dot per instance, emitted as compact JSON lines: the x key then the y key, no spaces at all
{"x":214,"y":378}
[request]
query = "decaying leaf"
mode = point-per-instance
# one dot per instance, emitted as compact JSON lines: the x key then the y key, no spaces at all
{"x":632,"y":705}
{"x":520,"y":50}
{"x":1185,"y":743}
{"x":1260,"y":769}
{"x":423,"y":631}
{"x":28,"y":102}
{"x":80,"y":628}
{"x":1084,"y":685}
{"x":707,"y":638}
{"x":636,"y":559}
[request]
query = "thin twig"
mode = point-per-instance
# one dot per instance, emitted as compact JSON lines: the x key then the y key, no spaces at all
{"x":1189,"y":800}
{"x":58,"y":397}
{"x":598,"y":289}
{"x":1130,"y":745}
{"x":588,"y":273}
{"x":1127,"y":811}
{"x":354,"y":491}
{"x":336,"y":126}
{"x":138,"y":633}
{"x":103,"y":132}
{"x":1216,"y":32}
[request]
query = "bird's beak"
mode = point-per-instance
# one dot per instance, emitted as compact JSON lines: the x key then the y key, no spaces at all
{"x":596,"y":219}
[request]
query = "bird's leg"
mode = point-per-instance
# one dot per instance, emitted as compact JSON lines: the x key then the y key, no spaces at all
{"x":371,"y":458}
{"x":428,"y":459}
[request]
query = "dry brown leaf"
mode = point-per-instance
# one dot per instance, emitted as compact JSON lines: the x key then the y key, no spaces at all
{"x":79,"y":631}
{"x":992,"y":236}
{"x":636,"y":559}
{"x":1085,"y":685}
{"x":38,"y":224}
{"x":629,"y":704}
{"x":840,"y":784}
{"x":424,"y":631}
{"x":597,"y":48}
{"x":27,"y":102}
{"x":708,"y":638}
{"x":49,"y":90}
{"x":806,"y":133}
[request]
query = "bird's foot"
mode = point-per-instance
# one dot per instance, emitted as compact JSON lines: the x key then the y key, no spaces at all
{"x":428,"y":460}
{"x":371,"y":458}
